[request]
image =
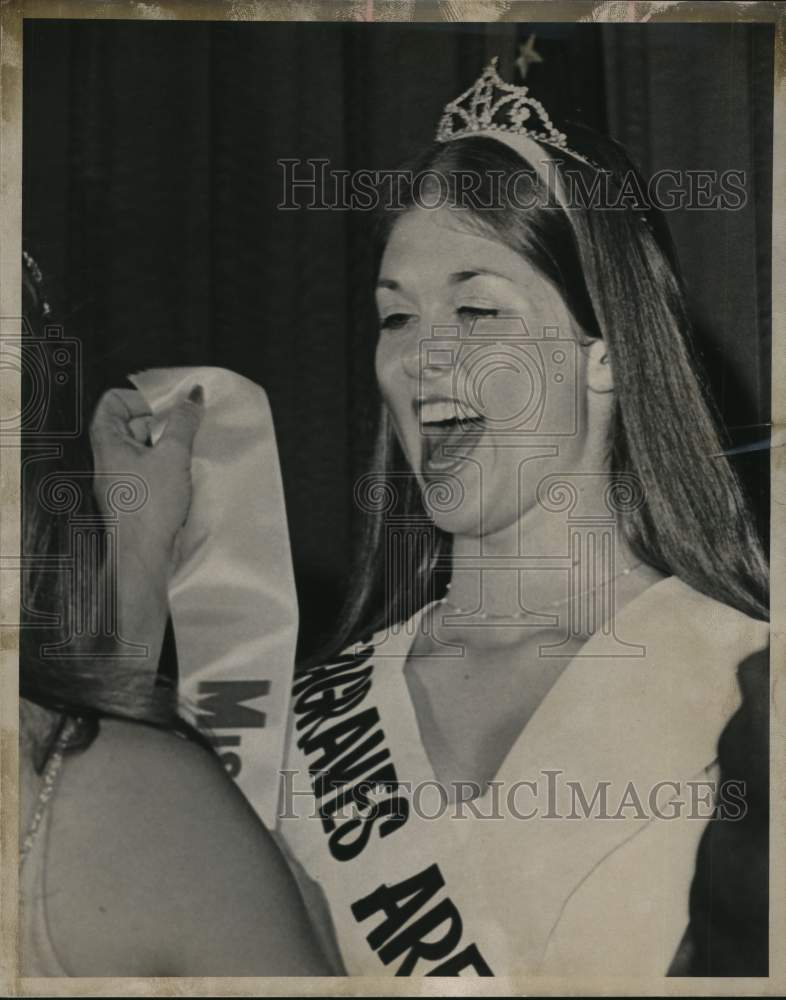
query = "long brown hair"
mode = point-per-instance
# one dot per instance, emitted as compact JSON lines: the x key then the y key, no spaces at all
{"x":618,"y":274}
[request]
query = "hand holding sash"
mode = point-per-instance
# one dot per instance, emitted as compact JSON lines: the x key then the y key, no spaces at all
{"x":232,"y":593}
{"x":146,"y":534}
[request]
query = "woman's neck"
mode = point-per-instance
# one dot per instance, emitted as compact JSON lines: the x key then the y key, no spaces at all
{"x":551,"y":570}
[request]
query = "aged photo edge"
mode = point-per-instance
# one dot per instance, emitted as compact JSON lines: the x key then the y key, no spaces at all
{"x":12,"y":13}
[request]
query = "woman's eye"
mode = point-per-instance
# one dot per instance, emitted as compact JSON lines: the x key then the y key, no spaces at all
{"x":477,"y":311}
{"x":395,"y":321}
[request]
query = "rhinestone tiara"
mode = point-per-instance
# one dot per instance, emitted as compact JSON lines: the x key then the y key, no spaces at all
{"x":491,"y":105}
{"x":37,"y":279}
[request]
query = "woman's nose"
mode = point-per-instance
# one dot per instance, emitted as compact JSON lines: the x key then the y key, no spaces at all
{"x":430,"y":354}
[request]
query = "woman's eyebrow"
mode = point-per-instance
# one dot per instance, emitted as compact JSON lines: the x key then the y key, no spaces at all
{"x":454,"y":279}
{"x":459,"y":276}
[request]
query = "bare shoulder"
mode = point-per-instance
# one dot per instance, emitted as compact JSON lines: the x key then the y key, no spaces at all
{"x":166,"y":864}
{"x":138,"y":770}
{"x":119,"y":742}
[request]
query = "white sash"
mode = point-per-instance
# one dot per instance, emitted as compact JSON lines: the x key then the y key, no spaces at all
{"x":232,"y":597}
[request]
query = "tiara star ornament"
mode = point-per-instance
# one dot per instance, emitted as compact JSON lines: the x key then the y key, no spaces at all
{"x":492,"y":105}
{"x":528,"y":56}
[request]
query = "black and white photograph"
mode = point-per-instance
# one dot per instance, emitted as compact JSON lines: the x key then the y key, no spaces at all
{"x":390,"y":441}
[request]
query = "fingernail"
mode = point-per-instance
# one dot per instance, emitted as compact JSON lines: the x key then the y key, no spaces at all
{"x":197,"y":395}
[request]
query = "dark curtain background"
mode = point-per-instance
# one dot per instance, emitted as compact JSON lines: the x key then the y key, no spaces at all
{"x":151,"y":189}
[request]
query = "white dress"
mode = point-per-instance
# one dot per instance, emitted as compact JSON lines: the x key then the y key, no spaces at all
{"x":538,"y":879}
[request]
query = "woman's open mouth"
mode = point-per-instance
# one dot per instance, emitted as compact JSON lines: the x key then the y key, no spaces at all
{"x":450,"y":431}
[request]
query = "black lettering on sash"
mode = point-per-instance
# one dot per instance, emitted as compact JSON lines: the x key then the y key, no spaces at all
{"x":358,"y":794}
{"x":343,"y":752}
{"x":231,"y":761}
{"x":320,"y":701}
{"x":398,"y":903}
{"x":391,"y":939}
{"x":220,"y":704}
{"x":305,"y":678}
{"x":329,"y":675}
{"x":345,"y":771}
{"x":412,"y":939}
{"x":469,"y":958}
{"x":350,"y":767}
{"x":396,"y":808}
{"x":335,"y":740}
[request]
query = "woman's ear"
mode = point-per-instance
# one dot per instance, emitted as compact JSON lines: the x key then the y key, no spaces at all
{"x":599,"y":376}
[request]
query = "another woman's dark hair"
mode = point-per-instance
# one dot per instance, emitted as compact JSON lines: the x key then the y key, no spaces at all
{"x":617,"y":271}
{"x":68,"y":670}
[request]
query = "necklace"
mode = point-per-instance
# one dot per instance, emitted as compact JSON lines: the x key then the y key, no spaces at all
{"x":60,"y":743}
{"x":552,"y":604}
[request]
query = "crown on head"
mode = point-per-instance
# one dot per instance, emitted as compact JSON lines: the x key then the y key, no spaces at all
{"x":491,"y":105}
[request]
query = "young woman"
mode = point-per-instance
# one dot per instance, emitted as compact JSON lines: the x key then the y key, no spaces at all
{"x":139,"y":857}
{"x":514,"y":776}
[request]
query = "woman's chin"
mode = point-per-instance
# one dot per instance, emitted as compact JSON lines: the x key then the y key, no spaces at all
{"x":468,"y":498}
{"x":454,"y":506}
{"x":457,"y":505}
{"x":459,"y":524}
{"x":451,"y":496}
